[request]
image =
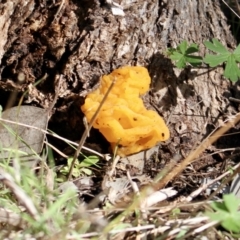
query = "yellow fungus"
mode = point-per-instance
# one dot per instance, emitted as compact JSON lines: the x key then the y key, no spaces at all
{"x":123,"y":118}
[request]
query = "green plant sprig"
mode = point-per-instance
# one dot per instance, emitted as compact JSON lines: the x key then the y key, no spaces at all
{"x":231,"y":60}
{"x":182,"y":56}
{"x":226,"y":213}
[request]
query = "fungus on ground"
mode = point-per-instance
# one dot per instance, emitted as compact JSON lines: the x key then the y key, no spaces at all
{"x":123,"y":118}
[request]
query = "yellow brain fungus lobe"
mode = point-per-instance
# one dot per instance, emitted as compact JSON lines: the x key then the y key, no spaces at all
{"x":123,"y":118}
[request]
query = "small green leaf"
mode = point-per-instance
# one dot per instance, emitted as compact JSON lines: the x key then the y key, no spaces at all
{"x":231,"y":202}
{"x":181,"y":63}
{"x":192,"y":48}
{"x":176,"y":56}
{"x":217,"y":216}
{"x":182,"y":47}
{"x":76,"y":172}
{"x":237,"y":50}
{"x":227,"y":213}
{"x":182,"y":55}
{"x":231,"y":70}
{"x":89,"y":161}
{"x":176,"y":211}
{"x":69,"y":161}
{"x":215,"y":60}
{"x":232,"y":223}
{"x":64,"y":170}
{"x":216,"y":46}
{"x":219,"y":206}
{"x":87,"y":171}
{"x":194,"y":60}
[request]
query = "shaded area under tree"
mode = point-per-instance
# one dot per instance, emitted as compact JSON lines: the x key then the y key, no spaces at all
{"x":82,"y":40}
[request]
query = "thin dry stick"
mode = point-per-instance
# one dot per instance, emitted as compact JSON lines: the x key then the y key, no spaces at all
{"x":59,"y":9}
{"x":8,"y":180}
{"x":54,"y":135}
{"x":204,"y":145}
{"x":57,"y":150}
{"x":205,"y":186}
{"x":225,"y":182}
{"x":231,"y":8}
{"x":85,"y":134}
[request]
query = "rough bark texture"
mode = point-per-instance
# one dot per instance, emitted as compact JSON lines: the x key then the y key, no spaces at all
{"x":83,"y":40}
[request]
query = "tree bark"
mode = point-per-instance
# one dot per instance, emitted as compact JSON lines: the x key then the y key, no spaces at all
{"x":82,"y":40}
